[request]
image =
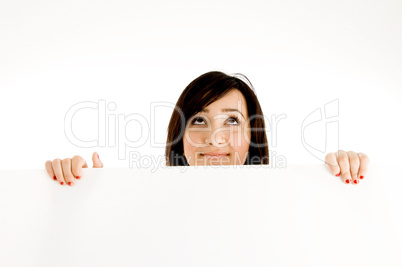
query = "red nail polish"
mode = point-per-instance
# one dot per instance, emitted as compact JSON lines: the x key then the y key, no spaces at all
{"x":61,"y":183}
{"x":78,"y":177}
{"x":54,"y":178}
{"x":361,"y":177}
{"x":356,"y":181}
{"x":338,"y":174}
{"x":69,"y":183}
{"x":347,"y":181}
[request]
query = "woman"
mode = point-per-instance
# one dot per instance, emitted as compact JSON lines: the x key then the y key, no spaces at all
{"x":217,"y":121}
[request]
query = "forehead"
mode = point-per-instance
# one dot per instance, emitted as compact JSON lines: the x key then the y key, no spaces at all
{"x":234,"y":99}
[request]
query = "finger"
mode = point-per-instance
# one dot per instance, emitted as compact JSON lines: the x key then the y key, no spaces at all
{"x":343,"y":162}
{"x":364,"y":162}
{"x":49,"y":169}
{"x":96,"y":161}
{"x":56,"y":164}
{"x":66,"y":167}
{"x":354,"y":163}
{"x":330,"y":159}
{"x":77,"y":163}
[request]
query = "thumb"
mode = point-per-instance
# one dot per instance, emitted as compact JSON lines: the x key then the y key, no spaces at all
{"x":97,"y":162}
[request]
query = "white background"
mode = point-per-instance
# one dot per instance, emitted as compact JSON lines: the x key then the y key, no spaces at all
{"x":299,"y":55}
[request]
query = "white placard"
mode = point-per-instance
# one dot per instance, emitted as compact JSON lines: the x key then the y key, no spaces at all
{"x":301,"y":215}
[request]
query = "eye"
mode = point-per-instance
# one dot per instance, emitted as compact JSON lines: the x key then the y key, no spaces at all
{"x":195,"y":120}
{"x":233,"y":120}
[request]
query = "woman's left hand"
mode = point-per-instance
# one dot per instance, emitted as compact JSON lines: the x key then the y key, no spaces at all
{"x":351,"y":165}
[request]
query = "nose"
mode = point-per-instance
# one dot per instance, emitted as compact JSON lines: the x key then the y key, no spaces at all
{"x":218,"y":137}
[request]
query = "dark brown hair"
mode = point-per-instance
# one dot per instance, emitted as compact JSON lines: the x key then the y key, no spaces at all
{"x":200,"y":93}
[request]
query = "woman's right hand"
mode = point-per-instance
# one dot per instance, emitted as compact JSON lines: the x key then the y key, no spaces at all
{"x":64,"y":171}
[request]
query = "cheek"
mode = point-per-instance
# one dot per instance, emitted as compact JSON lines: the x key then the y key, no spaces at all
{"x":191,"y":142}
{"x":240,"y":140}
{"x":192,"y":139}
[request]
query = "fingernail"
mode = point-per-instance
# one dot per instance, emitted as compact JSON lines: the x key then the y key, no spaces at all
{"x":356,"y":181}
{"x":70,"y":183}
{"x":78,"y":177}
{"x":338,"y":174}
{"x":347,"y":181}
{"x":361,"y":177}
{"x":61,"y":183}
{"x":54,"y":178}
{"x":97,"y":155}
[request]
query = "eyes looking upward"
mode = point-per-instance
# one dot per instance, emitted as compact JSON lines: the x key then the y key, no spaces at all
{"x":232,"y":120}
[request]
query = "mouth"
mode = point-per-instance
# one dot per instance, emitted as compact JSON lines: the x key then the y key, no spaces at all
{"x":215,"y":155}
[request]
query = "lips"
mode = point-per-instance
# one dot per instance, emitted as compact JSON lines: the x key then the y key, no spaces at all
{"x":215,"y":154}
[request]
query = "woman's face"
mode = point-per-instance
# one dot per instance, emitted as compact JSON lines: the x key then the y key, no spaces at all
{"x":219,"y":134}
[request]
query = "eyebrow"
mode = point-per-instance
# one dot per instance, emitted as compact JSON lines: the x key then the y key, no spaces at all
{"x":224,"y":110}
